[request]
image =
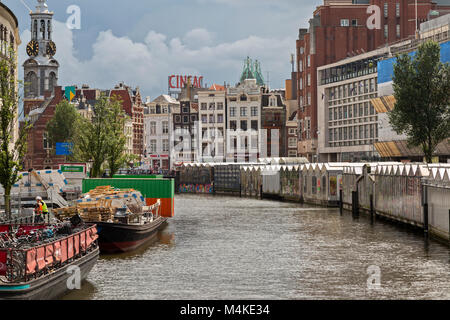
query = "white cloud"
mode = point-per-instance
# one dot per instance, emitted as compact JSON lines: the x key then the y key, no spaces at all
{"x":148,"y":64}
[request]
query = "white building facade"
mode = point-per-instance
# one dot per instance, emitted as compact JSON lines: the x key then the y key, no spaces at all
{"x":157,"y":132}
{"x":347,"y":121}
{"x":243,"y":121}
{"x":212,"y":122}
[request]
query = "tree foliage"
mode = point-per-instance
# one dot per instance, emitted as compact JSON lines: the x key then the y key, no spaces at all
{"x":12,"y":149}
{"x":116,"y":155}
{"x":102,"y":140}
{"x":422,"y":93}
{"x":64,"y":124}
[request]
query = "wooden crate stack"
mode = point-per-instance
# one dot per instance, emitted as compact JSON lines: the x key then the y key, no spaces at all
{"x":66,"y":213}
{"x":97,"y":214}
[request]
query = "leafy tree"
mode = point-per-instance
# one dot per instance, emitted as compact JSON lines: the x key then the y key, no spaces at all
{"x":12,"y":152}
{"x":116,"y":156}
{"x":64,"y":124}
{"x":422,"y":91}
{"x":102,"y":139}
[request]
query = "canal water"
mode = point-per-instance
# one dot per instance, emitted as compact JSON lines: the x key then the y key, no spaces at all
{"x":232,"y":248}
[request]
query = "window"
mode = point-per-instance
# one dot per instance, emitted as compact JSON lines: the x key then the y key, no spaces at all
{"x":152,"y":146}
{"x":193,"y":117}
{"x":292,"y":131}
{"x":243,"y":111}
{"x":302,"y":50}
{"x":185,"y":119}
{"x":177,"y":119}
{"x":309,"y":98}
{"x":243,"y":97}
{"x":309,"y":61}
{"x":165,"y":126}
{"x":212,"y":106}
{"x":385,"y":9}
{"x":204,"y":105}
{"x":244,"y":125}
{"x":211,"y":118}
{"x":219,"y":105}
{"x":152,"y":110}
{"x":185,"y":110}
{"x":254,"y":111}
{"x":398,"y":31}
{"x":233,"y":112}
{"x":204,"y":118}
{"x":301,"y":83}
{"x":309,"y":79}
{"x":273,"y":102}
{"x":397,"y":9}
{"x":292,"y":153}
{"x":165,"y":145}
{"x":220,"y":118}
{"x":233,"y":125}
{"x":46,"y":140}
{"x":153,"y":128}
{"x":300,"y":66}
{"x":344,"y":23}
{"x":354,"y":22}
{"x":386,"y":30}
{"x":292,"y":142}
{"x":254,"y":124}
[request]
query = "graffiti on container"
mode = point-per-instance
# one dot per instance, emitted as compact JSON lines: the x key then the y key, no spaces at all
{"x":196,"y":188}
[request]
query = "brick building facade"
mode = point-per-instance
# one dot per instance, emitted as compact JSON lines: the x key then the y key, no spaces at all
{"x":339,"y":30}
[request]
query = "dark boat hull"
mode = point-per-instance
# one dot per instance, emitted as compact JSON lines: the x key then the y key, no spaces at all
{"x":51,"y":286}
{"x":116,"y":237}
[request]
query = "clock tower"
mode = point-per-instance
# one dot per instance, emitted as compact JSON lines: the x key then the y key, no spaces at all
{"x":40,"y":69}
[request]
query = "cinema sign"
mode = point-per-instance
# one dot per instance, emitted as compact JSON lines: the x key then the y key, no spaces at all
{"x":179,"y":81}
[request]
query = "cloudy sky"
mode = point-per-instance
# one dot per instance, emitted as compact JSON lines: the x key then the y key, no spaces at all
{"x":141,"y":42}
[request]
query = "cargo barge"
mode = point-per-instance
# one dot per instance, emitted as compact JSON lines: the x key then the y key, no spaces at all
{"x":42,"y":270}
{"x":124,"y":221}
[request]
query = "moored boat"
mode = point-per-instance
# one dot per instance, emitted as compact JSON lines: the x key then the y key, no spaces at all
{"x":45,"y":262}
{"x":124,"y":221}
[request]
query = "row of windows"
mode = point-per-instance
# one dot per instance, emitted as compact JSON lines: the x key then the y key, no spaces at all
{"x":244,"y":125}
{"x":193,"y":118}
{"x":212,"y":106}
{"x":346,"y":112}
{"x":397,"y":31}
{"x":34,"y":29}
{"x":244,"y":111}
{"x":353,"y":89}
{"x":386,"y":9}
{"x":165,"y":127}
{"x":212,"y":118}
{"x":368,"y":131}
{"x":153,"y":146}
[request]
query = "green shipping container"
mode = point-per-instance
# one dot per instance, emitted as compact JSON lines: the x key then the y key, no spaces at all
{"x":118,"y":176}
{"x":151,"y":189}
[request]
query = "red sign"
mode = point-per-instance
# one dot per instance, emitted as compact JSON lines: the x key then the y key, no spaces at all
{"x":178,"y":81}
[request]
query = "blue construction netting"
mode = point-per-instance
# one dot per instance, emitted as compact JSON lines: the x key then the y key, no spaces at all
{"x":386,"y":67}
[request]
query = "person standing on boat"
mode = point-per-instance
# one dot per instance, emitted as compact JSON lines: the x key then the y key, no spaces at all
{"x":41,"y":209}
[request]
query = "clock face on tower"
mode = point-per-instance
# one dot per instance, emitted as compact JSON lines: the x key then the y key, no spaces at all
{"x":33,"y":48}
{"x":51,"y":49}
